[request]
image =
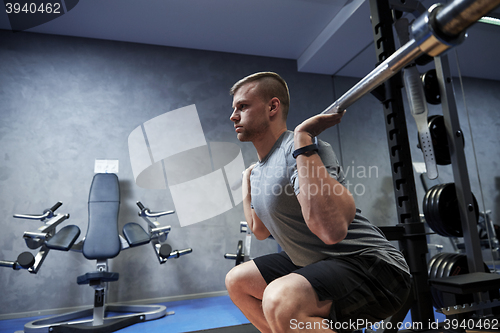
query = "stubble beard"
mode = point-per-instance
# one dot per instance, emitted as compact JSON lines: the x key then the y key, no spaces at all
{"x":252,"y":134}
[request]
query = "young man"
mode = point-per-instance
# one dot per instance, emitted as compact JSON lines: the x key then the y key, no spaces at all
{"x":337,"y":269}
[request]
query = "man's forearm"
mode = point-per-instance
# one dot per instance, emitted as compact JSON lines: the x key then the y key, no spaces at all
{"x":254,"y":223}
{"x":327,"y":206}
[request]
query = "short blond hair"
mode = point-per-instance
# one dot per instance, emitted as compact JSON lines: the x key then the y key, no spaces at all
{"x":270,"y":85}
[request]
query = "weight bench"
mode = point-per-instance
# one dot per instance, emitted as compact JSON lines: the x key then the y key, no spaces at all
{"x":103,"y":242}
{"x":465,"y":284}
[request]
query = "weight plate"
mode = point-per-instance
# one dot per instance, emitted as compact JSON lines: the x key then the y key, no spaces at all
{"x":436,"y":265}
{"x":437,"y":298}
{"x":452,"y":220}
{"x":444,"y":225}
{"x":430,"y":264}
{"x":453,"y":258}
{"x":439,"y":294}
{"x":439,"y":139}
{"x":431,"y":87}
{"x":460,"y":267}
{"x":448,"y":208}
{"x":427,"y":208}
{"x":430,"y":272}
{"x":449,"y":213}
{"x":432,"y":117}
{"x":444,"y":262}
{"x":434,"y":211}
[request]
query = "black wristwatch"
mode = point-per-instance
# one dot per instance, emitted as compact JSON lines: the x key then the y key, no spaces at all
{"x":303,"y":150}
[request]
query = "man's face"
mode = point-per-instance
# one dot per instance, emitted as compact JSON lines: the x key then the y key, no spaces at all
{"x":250,"y":113}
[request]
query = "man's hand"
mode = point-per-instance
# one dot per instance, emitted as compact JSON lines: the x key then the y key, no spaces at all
{"x":248,"y":172}
{"x":315,"y":125}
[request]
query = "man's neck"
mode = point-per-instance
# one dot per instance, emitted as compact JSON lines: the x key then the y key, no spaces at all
{"x":264,"y":143}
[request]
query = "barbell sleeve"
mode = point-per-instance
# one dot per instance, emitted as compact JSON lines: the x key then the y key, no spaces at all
{"x":461,"y":14}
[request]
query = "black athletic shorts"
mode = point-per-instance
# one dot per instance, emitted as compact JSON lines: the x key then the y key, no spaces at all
{"x":364,"y":289}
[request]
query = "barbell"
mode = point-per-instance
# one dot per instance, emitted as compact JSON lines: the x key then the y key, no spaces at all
{"x":442,"y":27}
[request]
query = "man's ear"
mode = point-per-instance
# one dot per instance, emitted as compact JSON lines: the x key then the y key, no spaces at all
{"x":274,"y":105}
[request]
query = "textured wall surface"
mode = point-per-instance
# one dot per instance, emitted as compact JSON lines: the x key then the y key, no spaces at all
{"x":65,"y":102}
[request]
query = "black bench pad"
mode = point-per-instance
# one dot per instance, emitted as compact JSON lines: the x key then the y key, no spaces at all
{"x":467,"y":283}
{"x":97,"y":277}
{"x":135,"y":234}
{"x":102,"y":240}
{"x":64,"y":239}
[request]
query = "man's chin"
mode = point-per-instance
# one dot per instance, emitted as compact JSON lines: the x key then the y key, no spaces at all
{"x":242,"y":137}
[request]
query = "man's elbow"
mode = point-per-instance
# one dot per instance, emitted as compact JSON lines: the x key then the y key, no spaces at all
{"x":261,"y":234}
{"x":333,"y":232}
{"x":334,"y":237}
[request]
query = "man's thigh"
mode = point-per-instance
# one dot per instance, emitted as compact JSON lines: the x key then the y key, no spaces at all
{"x":358,"y":287}
{"x":297,"y":297}
{"x":274,"y":266}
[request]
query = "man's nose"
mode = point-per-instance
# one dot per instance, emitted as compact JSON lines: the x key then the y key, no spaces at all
{"x":235,"y":116}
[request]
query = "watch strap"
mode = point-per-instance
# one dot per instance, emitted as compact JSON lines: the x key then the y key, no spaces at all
{"x":305,"y":149}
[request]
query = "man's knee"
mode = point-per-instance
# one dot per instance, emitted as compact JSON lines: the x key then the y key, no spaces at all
{"x":234,"y":279}
{"x":245,"y":279}
{"x":293,"y":297}
{"x":278,"y":302}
